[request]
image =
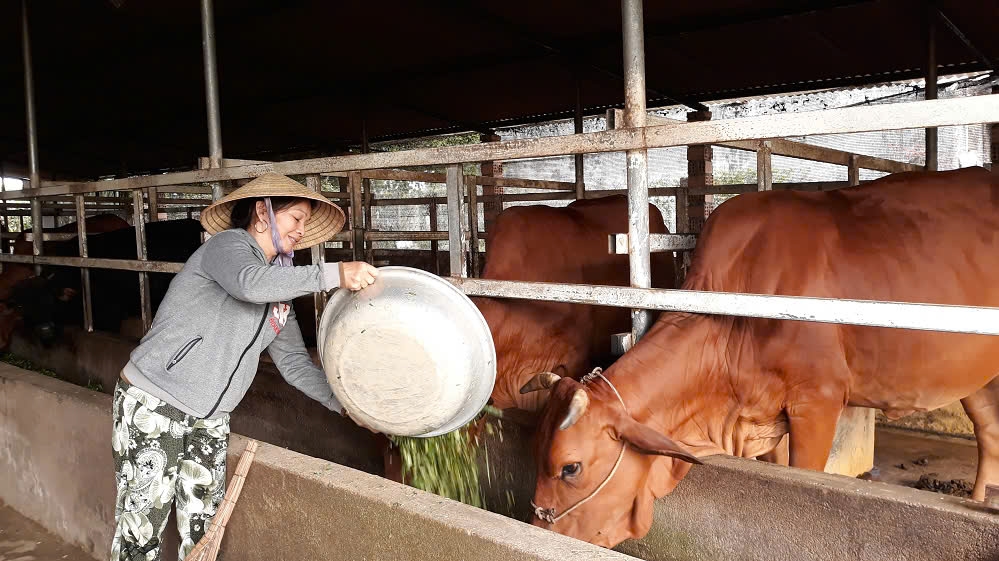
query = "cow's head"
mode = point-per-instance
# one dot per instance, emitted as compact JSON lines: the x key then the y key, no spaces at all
{"x":599,"y":470}
{"x":38,"y":304}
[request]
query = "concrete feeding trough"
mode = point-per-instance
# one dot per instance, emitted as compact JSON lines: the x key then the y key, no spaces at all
{"x":307,"y":507}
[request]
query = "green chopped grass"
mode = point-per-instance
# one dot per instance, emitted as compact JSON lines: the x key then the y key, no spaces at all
{"x":448,"y":465}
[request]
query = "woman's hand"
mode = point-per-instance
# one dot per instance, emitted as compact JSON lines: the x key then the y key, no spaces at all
{"x":356,"y":275}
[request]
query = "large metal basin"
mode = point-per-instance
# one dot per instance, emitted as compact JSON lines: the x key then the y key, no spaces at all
{"x":410,"y":355}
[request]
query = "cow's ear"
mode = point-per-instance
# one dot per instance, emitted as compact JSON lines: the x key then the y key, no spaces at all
{"x":67,"y":294}
{"x":651,"y":441}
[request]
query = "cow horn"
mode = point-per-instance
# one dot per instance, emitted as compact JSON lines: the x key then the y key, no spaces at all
{"x":577,"y":406}
{"x":542,"y":381}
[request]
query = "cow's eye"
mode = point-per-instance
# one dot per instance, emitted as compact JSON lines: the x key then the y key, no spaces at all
{"x":571,"y":470}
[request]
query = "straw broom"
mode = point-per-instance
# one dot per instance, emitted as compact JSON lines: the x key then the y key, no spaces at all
{"x":207,"y":549}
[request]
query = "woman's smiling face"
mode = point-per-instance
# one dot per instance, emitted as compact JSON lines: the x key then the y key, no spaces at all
{"x":291,"y":222}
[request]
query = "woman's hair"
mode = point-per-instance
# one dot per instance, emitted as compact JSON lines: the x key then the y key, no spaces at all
{"x":243,"y":211}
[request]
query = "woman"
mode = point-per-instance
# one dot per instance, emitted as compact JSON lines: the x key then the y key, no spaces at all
{"x":231,"y":301}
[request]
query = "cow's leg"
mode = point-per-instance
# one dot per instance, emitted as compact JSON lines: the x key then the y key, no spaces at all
{"x":983,"y":409}
{"x":812,"y":427}
{"x":779,"y":455}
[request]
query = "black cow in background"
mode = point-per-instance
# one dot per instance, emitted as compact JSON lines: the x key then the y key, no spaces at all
{"x":54,"y":299}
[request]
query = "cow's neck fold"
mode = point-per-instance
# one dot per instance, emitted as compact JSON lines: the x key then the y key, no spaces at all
{"x":674,"y":382}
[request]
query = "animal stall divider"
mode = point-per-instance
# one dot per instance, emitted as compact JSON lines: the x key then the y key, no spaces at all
{"x":900,"y":315}
{"x":140,"y":246}
{"x":639,"y":263}
{"x":915,"y":114}
{"x":81,"y":233}
{"x":783,"y":147}
{"x":315,"y":182}
{"x":919,"y":114}
{"x":765,"y":150}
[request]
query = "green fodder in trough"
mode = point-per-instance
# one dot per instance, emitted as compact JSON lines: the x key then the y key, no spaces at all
{"x":445,"y":465}
{"x":448,"y":465}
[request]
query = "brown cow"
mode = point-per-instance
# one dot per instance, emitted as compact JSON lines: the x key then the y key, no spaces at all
{"x":15,"y":273}
{"x":548,"y":244}
{"x":540,"y":243}
{"x":698,"y":385}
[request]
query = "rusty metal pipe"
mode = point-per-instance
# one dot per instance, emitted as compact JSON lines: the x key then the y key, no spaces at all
{"x":931,"y":90}
{"x":29,"y":106}
{"x":639,"y":262}
{"x":211,"y":92}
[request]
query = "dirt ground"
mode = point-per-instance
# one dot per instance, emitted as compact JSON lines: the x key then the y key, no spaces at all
{"x":23,"y":540}
{"x":945,"y":464}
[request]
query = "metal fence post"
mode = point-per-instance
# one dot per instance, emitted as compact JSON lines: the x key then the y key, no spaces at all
{"x":315,"y":182}
{"x":81,"y":233}
{"x":356,"y":215}
{"x":577,"y":124}
{"x":931,"y":86}
{"x":638,"y":180}
{"x":455,"y":225}
{"x":140,"y":254}
{"x":29,"y":105}
{"x":473,"y":225}
{"x":434,"y":253}
{"x":764,"y":167}
{"x":211,"y":93}
{"x":853,"y":171}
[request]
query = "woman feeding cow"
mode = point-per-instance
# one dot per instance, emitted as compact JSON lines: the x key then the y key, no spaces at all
{"x":231,"y":301}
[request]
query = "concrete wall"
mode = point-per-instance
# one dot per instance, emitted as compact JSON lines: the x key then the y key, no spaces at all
{"x":54,"y":441}
{"x":733,"y":509}
{"x":272,"y":410}
{"x":55,"y":455}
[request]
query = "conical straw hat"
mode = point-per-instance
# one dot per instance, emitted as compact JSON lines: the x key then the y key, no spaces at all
{"x":326,"y":221}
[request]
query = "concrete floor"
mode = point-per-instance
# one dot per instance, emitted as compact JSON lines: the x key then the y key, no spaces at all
{"x":901,"y":457}
{"x":23,"y":540}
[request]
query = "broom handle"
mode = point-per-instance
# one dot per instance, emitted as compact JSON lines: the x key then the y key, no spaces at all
{"x":228,"y":503}
{"x":236,"y":485}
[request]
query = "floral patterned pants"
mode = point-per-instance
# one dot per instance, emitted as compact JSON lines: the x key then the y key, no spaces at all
{"x":161,"y":453}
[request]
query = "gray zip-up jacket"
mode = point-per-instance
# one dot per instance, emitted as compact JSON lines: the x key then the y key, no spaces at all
{"x":221,"y":311}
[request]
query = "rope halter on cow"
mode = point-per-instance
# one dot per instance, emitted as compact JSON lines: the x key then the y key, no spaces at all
{"x":548,"y":514}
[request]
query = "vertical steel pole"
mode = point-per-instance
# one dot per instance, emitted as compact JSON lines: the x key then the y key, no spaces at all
{"x":369,"y":253}
{"x":578,"y":129}
{"x":853,"y":171}
{"x":638,"y":180}
{"x":764,"y":166}
{"x":455,"y":225}
{"x":140,"y":247}
{"x":931,"y":87}
{"x":211,"y":92}
{"x":993,"y":139}
{"x":29,"y":105}
{"x":315,"y":182}
{"x":356,"y":215}
{"x":81,"y":234}
{"x":473,"y":225}
{"x":152,"y":194}
{"x":434,"y":253}
{"x":6,"y":217}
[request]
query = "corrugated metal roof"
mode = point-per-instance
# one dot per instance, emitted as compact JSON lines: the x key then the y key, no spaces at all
{"x":120,"y":89}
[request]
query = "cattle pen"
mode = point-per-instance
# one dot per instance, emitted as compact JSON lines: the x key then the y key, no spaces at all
{"x":832,"y":510}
